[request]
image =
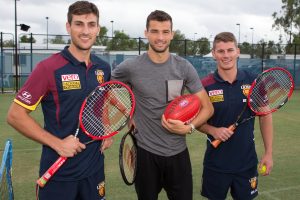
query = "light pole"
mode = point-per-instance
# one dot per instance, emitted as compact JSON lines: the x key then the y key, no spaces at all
{"x":47,"y":18}
{"x":238,"y":24}
{"x":24,"y":27}
{"x":252,"y":35}
{"x":195,"y":36}
{"x":265,"y":40}
{"x":252,"y":41}
{"x":16,"y":48}
{"x":112,"y":28}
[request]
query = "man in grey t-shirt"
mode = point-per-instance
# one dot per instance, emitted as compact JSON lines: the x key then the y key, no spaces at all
{"x":157,"y":77}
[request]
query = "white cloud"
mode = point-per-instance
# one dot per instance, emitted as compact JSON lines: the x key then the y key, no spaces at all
{"x":206,"y":18}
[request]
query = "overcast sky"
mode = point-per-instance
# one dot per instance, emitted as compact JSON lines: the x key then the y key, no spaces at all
{"x":194,"y":18}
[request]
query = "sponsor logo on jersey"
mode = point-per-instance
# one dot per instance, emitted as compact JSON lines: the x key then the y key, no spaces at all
{"x":70,"y":82}
{"x":215,"y":92}
{"x":216,"y":95}
{"x":25,"y":97}
{"x":100,"y":76}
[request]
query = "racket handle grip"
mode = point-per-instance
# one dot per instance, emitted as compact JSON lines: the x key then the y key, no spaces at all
{"x":232,"y":127}
{"x":51,"y":171}
{"x":216,"y":143}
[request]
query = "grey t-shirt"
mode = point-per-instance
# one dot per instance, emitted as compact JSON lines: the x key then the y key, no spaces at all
{"x":154,"y":86}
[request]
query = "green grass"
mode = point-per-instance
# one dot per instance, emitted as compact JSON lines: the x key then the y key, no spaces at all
{"x":283,"y":183}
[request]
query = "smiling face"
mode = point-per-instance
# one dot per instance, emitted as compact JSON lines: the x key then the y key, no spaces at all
{"x":159,"y":35}
{"x":83,"y":30}
{"x":226,"y":55}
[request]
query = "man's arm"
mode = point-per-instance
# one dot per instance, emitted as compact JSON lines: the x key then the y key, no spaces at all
{"x":19,"y":118}
{"x":266,"y":128}
{"x":218,"y":133}
{"x":206,"y":111}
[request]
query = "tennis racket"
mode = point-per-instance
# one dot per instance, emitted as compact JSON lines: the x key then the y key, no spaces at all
{"x":268,"y":93}
{"x":128,"y":156}
{"x":104,"y":112}
{"x":6,"y":187}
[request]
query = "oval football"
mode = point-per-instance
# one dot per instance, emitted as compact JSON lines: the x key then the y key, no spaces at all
{"x":184,"y":108}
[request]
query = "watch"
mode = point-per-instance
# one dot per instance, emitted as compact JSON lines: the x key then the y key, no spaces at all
{"x":192,"y":128}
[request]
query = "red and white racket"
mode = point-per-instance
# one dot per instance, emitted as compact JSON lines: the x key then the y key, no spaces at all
{"x":268,"y":93}
{"x":105,"y":111}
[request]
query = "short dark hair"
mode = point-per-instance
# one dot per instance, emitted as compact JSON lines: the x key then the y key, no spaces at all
{"x":159,"y":15}
{"x":81,"y":8}
{"x":224,"y":37}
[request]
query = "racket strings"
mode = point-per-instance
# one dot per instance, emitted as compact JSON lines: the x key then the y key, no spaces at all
{"x":4,"y":185}
{"x":271,"y":91}
{"x":107,"y":110}
{"x":129,"y":158}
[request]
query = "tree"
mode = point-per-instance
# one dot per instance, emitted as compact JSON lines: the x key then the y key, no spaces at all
{"x":8,"y":43}
{"x":178,"y":43}
{"x":271,"y":48}
{"x":184,"y":47}
{"x":288,"y":18}
{"x":143,"y":44}
{"x":27,"y":39}
{"x":102,"y":38}
{"x":122,"y":42}
{"x":265,"y":49}
{"x":202,"y":46}
{"x":58,"y":40}
{"x":245,"y":48}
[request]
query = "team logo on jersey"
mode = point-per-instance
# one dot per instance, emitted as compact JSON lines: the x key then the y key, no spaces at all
{"x":216,"y":95}
{"x":70,"y":82}
{"x":253,"y":182}
{"x":101,"y":189}
{"x":100,"y":76}
{"x":246,"y":89}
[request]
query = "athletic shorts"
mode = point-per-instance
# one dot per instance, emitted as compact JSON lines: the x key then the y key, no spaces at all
{"x":242,"y":185}
{"x":155,"y":172}
{"x":90,"y":188}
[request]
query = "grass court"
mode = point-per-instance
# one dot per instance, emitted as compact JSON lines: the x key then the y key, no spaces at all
{"x":283,"y":183}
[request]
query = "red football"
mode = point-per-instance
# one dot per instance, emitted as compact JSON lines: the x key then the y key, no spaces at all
{"x":184,"y":108}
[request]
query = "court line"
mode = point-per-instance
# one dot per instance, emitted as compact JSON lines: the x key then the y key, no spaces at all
{"x":269,"y":192}
{"x":32,"y":149}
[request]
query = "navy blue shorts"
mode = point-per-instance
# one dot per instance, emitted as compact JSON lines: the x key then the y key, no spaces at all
{"x":90,"y":188}
{"x":242,"y":185}
{"x":173,"y":173}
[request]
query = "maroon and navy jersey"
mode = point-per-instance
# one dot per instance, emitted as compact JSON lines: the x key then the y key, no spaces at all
{"x":60,"y":84}
{"x":238,"y":153}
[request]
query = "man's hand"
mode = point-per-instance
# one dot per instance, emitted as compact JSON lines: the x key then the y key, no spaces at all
{"x":70,"y":146}
{"x":106,"y":143}
{"x":175,"y":126}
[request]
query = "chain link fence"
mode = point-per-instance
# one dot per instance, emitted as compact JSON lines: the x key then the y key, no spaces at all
{"x":32,"y":48}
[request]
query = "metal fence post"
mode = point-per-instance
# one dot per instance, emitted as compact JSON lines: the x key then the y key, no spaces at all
{"x":295,"y":54}
{"x":31,"y":41}
{"x":2,"y":63}
{"x":262,"y":57}
{"x":139,"y":45}
{"x":185,"y":47}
